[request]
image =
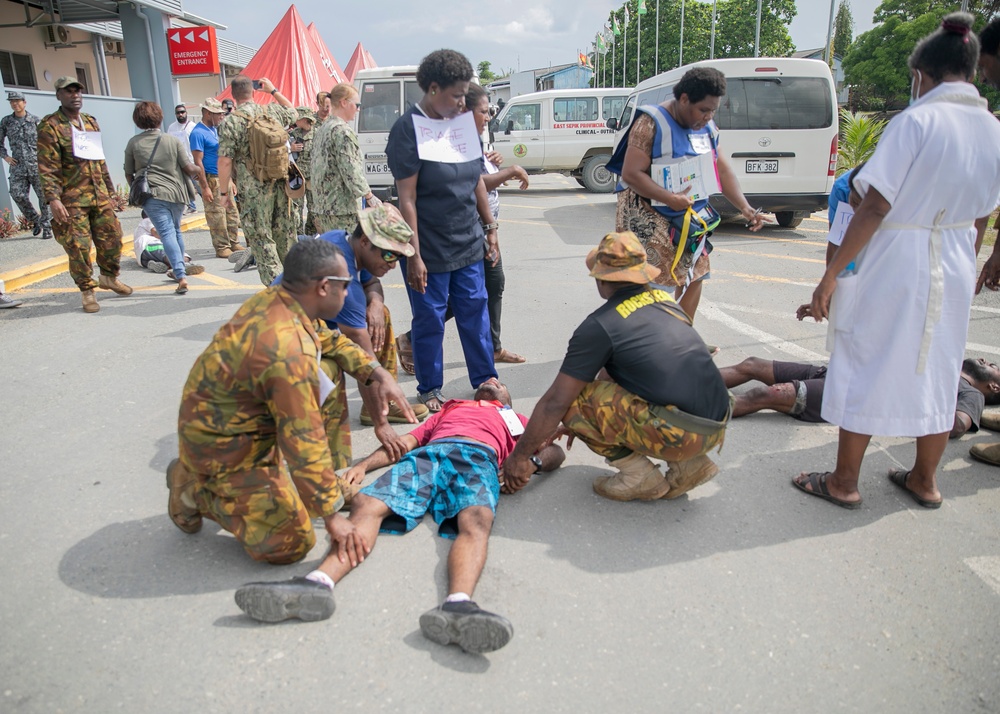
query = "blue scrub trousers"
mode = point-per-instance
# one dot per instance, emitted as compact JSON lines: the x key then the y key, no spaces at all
{"x":465,"y":291}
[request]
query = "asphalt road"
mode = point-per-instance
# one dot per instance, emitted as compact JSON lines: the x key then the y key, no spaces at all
{"x":744,"y":595}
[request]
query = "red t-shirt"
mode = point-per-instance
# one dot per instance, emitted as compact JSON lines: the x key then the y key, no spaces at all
{"x":470,"y":419}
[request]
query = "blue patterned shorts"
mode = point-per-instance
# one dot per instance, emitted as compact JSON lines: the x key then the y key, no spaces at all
{"x":442,"y":478}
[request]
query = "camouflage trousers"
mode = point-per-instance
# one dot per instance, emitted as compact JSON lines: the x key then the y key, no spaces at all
{"x":311,"y":228}
{"x":270,"y":225}
{"x":20,"y":184}
{"x":95,"y":225}
{"x":336,"y":222}
{"x":338,"y":420}
{"x":223,"y":223}
{"x":614,"y":423}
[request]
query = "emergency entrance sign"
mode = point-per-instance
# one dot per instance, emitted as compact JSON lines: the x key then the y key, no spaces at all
{"x":193,"y":50}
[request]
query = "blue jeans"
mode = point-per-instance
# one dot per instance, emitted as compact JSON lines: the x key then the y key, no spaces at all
{"x":464,"y":290}
{"x":166,"y":218}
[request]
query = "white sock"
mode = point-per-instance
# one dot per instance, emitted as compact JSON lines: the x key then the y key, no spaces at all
{"x":457,"y":597}
{"x":318,"y":576}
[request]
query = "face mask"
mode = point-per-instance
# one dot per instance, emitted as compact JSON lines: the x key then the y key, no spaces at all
{"x":915,"y":87}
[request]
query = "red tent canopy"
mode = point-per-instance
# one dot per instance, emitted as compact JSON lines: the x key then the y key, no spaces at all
{"x":361,"y":59}
{"x":290,"y":58}
{"x":330,"y":72}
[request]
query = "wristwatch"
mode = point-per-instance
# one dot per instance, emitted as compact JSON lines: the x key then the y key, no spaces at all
{"x":491,"y":226}
{"x":536,"y":460}
{"x":274,"y":91}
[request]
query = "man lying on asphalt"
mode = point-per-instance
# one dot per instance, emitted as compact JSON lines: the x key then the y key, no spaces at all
{"x":450,"y":469}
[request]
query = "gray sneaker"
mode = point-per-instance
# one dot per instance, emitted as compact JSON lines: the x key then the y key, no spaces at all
{"x":237,"y":254}
{"x":274,"y":602}
{"x":6,"y":302}
{"x":157,"y":267}
{"x":466,"y":625}
{"x":244,"y":262}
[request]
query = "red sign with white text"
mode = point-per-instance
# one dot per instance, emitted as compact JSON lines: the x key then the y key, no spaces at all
{"x":193,"y":50}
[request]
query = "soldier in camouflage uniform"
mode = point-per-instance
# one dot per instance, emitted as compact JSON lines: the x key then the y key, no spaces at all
{"x":253,"y":424}
{"x":301,"y":138}
{"x":637,"y":381}
{"x":338,"y":170}
{"x":266,"y":213}
{"x":20,"y":129}
{"x":79,"y":191}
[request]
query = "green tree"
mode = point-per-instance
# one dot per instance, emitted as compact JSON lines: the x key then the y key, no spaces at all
{"x":843,"y":28}
{"x":486,"y":75}
{"x":859,"y":134}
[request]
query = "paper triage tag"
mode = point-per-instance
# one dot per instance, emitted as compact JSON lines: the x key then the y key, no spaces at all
{"x":510,"y":419}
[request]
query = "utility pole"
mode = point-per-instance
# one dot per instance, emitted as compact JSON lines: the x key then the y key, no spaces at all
{"x":638,"y":45}
{"x":711,"y":46}
{"x":656,"y":54}
{"x":680,"y":62}
{"x":756,"y":41}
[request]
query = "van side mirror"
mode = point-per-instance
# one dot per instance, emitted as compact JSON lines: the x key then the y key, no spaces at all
{"x":510,"y":126}
{"x":613,"y":123}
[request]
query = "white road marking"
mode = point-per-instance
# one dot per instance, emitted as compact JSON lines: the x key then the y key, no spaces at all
{"x":978,"y":348}
{"x":983,"y":308}
{"x":987,"y":568}
{"x":712,"y":312}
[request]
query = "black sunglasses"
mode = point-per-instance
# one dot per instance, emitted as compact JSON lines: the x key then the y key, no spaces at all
{"x":333,"y":278}
{"x":388,"y":256}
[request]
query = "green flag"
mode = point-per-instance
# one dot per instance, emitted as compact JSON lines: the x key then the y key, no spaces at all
{"x":601,"y":45}
{"x":642,"y":7}
{"x":617,"y":28}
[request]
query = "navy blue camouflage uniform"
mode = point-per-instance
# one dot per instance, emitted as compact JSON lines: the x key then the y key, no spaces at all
{"x":22,"y":135}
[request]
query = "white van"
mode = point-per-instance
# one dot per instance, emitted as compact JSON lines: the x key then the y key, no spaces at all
{"x":778,"y":127}
{"x":561,"y":131}
{"x":386,"y":93}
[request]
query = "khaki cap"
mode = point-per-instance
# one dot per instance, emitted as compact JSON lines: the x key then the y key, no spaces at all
{"x":620,"y":258}
{"x":385,"y":228}
{"x":64,"y":82}
{"x":211,"y":104}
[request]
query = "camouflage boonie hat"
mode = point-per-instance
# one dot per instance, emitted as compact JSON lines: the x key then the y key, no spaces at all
{"x":620,"y":258}
{"x":15,"y":97}
{"x":211,"y":104}
{"x":305,"y":113}
{"x":64,"y":82}
{"x":384,"y":227}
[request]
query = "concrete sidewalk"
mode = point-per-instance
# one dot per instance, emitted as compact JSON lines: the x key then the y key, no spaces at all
{"x":25,"y":259}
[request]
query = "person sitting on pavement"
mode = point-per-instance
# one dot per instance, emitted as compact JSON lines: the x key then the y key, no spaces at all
{"x":254,"y":428}
{"x":450,"y":469}
{"x":379,"y":240}
{"x":637,"y":382}
{"x":149,"y":250}
{"x":796,"y":389}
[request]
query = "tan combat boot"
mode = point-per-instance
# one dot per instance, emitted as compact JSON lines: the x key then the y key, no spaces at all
{"x":89,"y":301}
{"x":180,"y":506}
{"x":223,"y":252}
{"x":987,"y":453}
{"x":108,"y":282}
{"x":637,"y":479}
{"x":685,"y":475}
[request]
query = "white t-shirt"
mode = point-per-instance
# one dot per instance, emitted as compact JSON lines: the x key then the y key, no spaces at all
{"x":183,"y":133}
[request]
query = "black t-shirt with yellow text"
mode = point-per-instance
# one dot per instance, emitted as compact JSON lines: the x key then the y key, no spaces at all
{"x":641,"y":337}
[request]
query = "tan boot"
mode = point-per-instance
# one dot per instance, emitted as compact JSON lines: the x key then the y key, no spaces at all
{"x":685,"y":475}
{"x":180,"y":506}
{"x":396,"y":415}
{"x":89,"y":301}
{"x":990,"y":420}
{"x":108,"y":282}
{"x":637,"y":479}
{"x":223,"y":252}
{"x":987,"y":453}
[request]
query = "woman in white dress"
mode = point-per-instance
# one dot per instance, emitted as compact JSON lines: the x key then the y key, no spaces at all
{"x":899,"y":315}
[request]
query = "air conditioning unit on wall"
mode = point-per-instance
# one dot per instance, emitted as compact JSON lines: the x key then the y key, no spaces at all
{"x":114,"y":47}
{"x":57,"y":35}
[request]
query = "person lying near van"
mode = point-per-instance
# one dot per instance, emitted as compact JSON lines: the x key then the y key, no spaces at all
{"x":686,"y":119}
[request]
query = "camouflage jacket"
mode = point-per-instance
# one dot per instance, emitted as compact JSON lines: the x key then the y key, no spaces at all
{"x":235,"y":144}
{"x":75,"y":182}
{"x":338,"y":172}
{"x":256,"y":387}
{"x":22,"y":133}
{"x":305,"y":156}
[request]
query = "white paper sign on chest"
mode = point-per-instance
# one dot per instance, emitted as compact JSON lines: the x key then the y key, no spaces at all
{"x":447,"y":141}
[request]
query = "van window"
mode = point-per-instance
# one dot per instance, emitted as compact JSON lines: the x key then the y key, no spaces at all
{"x":612,"y":107}
{"x":657,"y":95}
{"x":379,"y":106}
{"x":575,"y":109}
{"x":526,"y":117}
{"x":412,"y":93}
{"x":776,"y":103}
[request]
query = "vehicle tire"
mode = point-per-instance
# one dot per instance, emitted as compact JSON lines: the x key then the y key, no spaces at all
{"x":596,"y":177}
{"x":580,"y":181}
{"x":788,"y":219}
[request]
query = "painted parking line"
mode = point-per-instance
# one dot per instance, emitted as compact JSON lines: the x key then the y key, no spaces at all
{"x":712,"y":312}
{"x":765,"y":279}
{"x":729,"y":250}
{"x":987,"y":568}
